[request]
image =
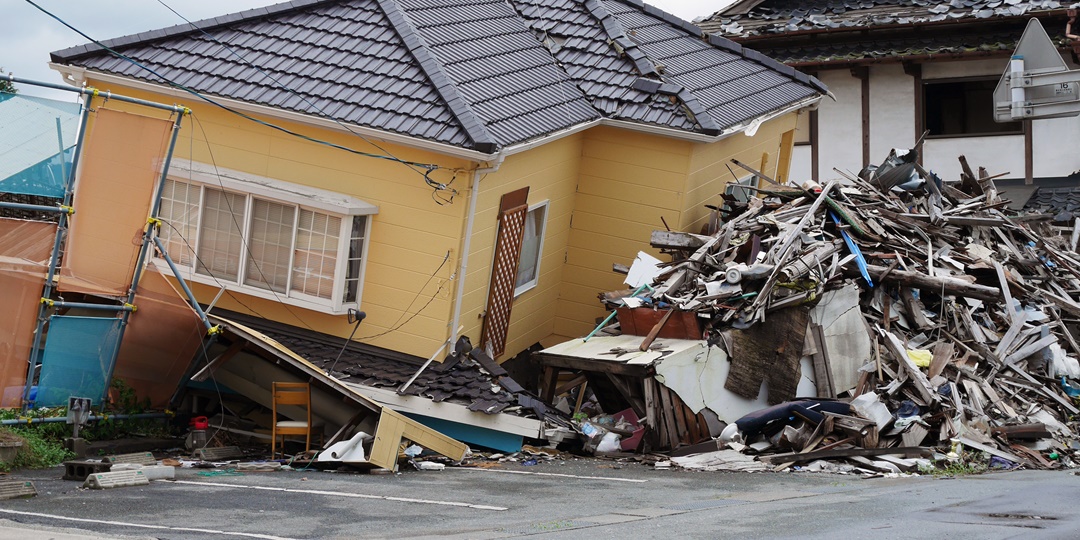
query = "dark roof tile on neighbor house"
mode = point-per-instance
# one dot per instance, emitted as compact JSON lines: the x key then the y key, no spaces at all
{"x":475,"y":74}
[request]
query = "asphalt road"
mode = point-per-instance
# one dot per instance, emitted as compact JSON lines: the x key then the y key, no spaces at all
{"x":577,"y":498}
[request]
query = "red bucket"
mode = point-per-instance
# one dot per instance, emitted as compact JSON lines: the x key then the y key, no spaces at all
{"x":200,"y":422}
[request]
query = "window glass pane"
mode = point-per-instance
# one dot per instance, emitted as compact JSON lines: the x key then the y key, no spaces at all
{"x":269,"y":245}
{"x":180,"y":212}
{"x":356,"y":252}
{"x":220,"y":240}
{"x":529,"y":264}
{"x":963,"y":108}
{"x":315,"y":257}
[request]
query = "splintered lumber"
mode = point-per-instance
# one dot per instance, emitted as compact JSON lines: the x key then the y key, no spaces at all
{"x":676,"y":240}
{"x":948,"y":285}
{"x":992,"y":294}
{"x":903,"y":451}
{"x":899,"y":352}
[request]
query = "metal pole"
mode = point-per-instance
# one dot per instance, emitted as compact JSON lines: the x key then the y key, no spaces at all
{"x":148,"y":235}
{"x":36,"y":207}
{"x":91,"y":91}
{"x":183,"y":284}
{"x":82,"y":305}
{"x":52,"y":419}
{"x":61,"y":226}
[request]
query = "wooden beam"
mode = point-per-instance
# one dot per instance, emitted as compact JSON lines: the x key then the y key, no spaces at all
{"x":847,"y":452}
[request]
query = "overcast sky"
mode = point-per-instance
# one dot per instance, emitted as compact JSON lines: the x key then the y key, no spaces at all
{"x":30,"y":35}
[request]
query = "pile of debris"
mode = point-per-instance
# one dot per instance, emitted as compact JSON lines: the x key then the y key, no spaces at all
{"x":961,"y":318}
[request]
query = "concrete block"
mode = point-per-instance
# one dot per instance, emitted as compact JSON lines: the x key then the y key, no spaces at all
{"x":223,"y":453}
{"x":159,"y":472}
{"x":17,"y":489}
{"x":116,"y":479}
{"x":142,"y":458}
{"x":79,"y":469}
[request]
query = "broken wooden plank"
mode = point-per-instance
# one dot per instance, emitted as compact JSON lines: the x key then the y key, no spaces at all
{"x":903,"y":451}
{"x":918,"y":280}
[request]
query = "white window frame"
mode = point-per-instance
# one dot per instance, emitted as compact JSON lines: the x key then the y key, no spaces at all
{"x":301,"y":198}
{"x":531,"y":284}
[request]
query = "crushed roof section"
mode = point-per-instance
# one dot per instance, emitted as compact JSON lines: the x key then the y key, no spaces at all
{"x":757,"y":17}
{"x":729,"y":83}
{"x":461,"y":382}
{"x":476,"y":74}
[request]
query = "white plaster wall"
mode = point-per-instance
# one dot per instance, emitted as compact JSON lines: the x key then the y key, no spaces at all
{"x":1055,"y":146}
{"x":840,"y":124}
{"x":970,"y":68}
{"x":999,"y":154}
{"x":801,"y":164}
{"x":892,"y":110}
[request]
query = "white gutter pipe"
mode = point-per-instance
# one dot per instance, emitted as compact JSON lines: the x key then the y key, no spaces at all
{"x":474,"y":194}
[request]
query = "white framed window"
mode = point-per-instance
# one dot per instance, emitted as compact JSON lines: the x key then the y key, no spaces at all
{"x":268,"y":244}
{"x":532,"y":248}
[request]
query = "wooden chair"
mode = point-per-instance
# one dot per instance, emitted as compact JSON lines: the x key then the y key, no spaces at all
{"x":286,"y":393}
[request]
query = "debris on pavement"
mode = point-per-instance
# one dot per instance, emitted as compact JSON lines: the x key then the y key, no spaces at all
{"x":927,"y":319}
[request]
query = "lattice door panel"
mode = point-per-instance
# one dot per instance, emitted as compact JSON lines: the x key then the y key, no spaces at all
{"x":512,"y":212}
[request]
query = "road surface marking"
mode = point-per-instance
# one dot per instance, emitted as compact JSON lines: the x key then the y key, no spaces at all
{"x":631,"y":480}
{"x":146,"y":526}
{"x":341,"y":494}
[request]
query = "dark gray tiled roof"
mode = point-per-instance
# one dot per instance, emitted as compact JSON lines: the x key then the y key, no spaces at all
{"x":477,"y":74}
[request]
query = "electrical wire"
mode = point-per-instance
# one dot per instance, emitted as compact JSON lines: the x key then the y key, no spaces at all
{"x":394,"y":327}
{"x":240,"y":230}
{"x":427,"y":166}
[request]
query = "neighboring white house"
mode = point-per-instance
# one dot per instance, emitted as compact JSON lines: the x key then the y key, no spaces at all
{"x":898,"y":68}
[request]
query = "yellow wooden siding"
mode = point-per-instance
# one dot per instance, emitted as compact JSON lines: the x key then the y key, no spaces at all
{"x":629,"y":180}
{"x":550,"y":172}
{"x":410,"y":235}
{"x":709,"y":174}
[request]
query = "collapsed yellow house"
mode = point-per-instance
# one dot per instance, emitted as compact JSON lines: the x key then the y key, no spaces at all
{"x":450,"y":170}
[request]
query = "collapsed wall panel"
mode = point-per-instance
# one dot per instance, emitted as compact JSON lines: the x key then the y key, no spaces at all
{"x":121,"y":164}
{"x":162,"y":337}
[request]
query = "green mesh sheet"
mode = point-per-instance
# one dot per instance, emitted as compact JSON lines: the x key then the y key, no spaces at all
{"x":31,"y":159}
{"x":79,"y":353}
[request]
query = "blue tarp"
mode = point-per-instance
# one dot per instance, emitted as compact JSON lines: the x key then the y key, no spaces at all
{"x":31,"y":162}
{"x":79,"y":353}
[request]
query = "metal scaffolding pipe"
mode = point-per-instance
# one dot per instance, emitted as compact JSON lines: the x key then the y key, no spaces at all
{"x":35,"y":207}
{"x":84,"y":305}
{"x":92,"y":418}
{"x":183,"y":284}
{"x":54,"y":260}
{"x":91,"y":91}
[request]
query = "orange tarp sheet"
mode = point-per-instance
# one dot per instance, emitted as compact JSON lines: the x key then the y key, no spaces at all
{"x":31,"y":241}
{"x":121,"y":165}
{"x":20,"y":288}
{"x":162,"y":337}
{"x":25,"y":248}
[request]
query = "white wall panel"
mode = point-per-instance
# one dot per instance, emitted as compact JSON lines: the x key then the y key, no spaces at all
{"x":840,"y":124}
{"x":998,"y":154}
{"x":892,"y":110}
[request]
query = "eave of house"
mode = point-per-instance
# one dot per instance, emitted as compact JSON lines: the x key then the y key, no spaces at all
{"x":77,"y":76}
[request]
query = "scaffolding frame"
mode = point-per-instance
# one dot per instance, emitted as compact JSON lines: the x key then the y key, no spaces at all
{"x":65,"y":210}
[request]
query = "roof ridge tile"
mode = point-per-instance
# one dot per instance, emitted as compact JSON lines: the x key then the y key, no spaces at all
{"x":482,"y":139}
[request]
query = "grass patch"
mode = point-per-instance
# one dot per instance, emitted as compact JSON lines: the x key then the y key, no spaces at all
{"x":968,"y":463}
